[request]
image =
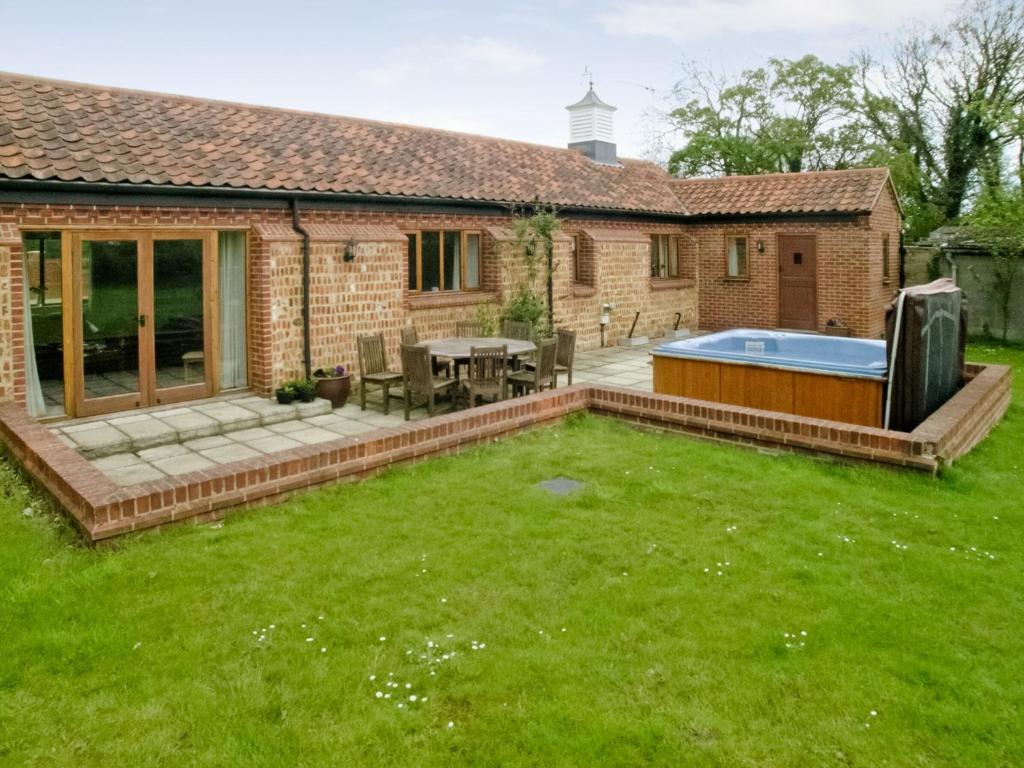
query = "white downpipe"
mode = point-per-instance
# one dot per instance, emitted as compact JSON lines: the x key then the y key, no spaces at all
{"x":892,"y":357}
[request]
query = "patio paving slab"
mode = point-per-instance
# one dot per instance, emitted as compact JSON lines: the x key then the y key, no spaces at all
{"x":347,"y":427}
{"x":317,"y":408}
{"x":274,"y":444}
{"x":100,"y":440}
{"x":287,"y":426}
{"x":270,"y":411}
{"x":181,"y":465}
{"x":163,"y":452}
{"x":226,"y":454}
{"x":247,"y":435}
{"x":229,"y":416}
{"x":205,"y":443}
{"x":116,"y":461}
{"x":136,"y":473}
{"x":313,"y":435}
{"x":189,"y":424}
{"x":145,"y":431}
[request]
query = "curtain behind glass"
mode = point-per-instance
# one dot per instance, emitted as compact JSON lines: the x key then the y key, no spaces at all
{"x":33,"y":389}
{"x":231,"y":269}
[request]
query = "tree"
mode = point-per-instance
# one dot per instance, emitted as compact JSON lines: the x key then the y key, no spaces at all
{"x":997,"y":224}
{"x":948,"y":104}
{"x":791,"y":115}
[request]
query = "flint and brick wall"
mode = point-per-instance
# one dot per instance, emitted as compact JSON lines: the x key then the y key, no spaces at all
{"x":368,"y":294}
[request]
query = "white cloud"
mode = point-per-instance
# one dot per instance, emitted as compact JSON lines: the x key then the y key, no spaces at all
{"x":698,"y":20}
{"x":502,"y":55}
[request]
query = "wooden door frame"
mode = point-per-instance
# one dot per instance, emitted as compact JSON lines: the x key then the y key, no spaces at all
{"x":148,"y":394}
{"x":80,"y":406}
{"x":211,"y":339}
{"x":779,"y":237}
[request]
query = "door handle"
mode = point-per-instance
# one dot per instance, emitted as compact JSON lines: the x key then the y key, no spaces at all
{"x":142,"y":321}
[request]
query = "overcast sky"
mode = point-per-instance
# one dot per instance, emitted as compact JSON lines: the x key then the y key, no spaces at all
{"x":503,"y":69}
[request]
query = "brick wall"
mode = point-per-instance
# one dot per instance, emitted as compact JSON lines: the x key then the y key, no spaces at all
{"x":851,"y":289}
{"x":379,"y":275}
{"x":102,"y":510}
{"x":615,"y":256}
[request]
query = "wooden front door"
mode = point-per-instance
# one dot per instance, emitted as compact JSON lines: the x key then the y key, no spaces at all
{"x":798,"y":282}
{"x":144,"y":326}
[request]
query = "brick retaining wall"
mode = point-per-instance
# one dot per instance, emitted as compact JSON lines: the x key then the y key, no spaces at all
{"x":103,"y":510}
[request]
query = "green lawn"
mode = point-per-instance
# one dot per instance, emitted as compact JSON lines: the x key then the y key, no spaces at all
{"x":643,"y":620}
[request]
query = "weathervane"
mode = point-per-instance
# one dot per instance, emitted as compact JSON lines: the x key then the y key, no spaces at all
{"x":590,"y":76}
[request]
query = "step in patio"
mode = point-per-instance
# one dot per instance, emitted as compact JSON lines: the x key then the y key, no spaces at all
{"x":142,"y":431}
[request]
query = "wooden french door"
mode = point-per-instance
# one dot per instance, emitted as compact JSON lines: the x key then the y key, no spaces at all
{"x":145,"y":319}
{"x":798,"y":282}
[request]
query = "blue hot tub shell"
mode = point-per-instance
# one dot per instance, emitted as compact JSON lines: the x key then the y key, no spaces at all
{"x":862,"y":358}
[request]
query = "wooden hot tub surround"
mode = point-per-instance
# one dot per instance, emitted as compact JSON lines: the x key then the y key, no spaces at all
{"x":835,"y":397}
{"x":820,"y":377}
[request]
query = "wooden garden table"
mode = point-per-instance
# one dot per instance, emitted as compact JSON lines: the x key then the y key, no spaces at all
{"x":457,"y":348}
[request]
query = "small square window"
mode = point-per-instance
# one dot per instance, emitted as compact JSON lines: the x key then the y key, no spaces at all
{"x":664,"y":256}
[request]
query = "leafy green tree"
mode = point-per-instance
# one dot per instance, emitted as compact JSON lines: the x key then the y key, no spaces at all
{"x":791,"y":115}
{"x":949,"y":101}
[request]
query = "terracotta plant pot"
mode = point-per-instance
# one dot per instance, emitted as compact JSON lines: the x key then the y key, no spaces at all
{"x":334,"y":388}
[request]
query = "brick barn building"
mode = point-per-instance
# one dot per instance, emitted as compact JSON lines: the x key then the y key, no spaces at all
{"x":181,"y":231}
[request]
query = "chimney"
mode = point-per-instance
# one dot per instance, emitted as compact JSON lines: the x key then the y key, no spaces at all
{"x":590,"y":128}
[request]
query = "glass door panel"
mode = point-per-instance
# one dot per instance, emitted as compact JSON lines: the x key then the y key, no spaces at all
{"x":179,"y":318}
{"x":109,"y":325}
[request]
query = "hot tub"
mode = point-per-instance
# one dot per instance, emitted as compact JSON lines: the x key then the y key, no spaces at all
{"x":824,"y":377}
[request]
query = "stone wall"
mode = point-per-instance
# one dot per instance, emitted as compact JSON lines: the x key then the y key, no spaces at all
{"x":974,"y":274}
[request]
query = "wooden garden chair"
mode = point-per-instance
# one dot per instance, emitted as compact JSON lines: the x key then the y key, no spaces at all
{"x":487,"y":376}
{"x":565,"y":354}
{"x":469,"y":329}
{"x":412,"y":338}
{"x":419,"y":381}
{"x":517,"y":329}
{"x":373,"y":369}
{"x":543,"y":373}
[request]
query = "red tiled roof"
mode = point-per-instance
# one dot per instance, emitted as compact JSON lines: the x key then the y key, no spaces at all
{"x":55,"y":130}
{"x":849,"y":191}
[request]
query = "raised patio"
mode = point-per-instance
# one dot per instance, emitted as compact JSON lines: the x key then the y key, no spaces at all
{"x":140,"y":447}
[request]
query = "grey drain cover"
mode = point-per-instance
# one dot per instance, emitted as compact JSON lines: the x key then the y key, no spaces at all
{"x":560,"y":486}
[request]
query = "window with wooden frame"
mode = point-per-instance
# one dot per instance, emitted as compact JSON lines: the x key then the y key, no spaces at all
{"x":664,"y":256}
{"x":443,"y":260}
{"x":736,"y":257}
{"x":885,"y":257}
{"x":578,"y":277}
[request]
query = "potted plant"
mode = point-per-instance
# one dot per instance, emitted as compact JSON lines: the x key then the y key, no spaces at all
{"x":285,"y":393}
{"x":333,"y":383}
{"x":305,"y":389}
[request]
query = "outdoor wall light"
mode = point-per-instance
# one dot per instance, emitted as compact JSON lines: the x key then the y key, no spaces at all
{"x":350,"y":250}
{"x":760,"y":246}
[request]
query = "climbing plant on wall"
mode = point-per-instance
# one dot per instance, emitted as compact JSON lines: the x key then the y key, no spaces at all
{"x":533,"y":234}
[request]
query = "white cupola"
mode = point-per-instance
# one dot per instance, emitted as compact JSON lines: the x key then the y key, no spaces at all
{"x":590,"y":128}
